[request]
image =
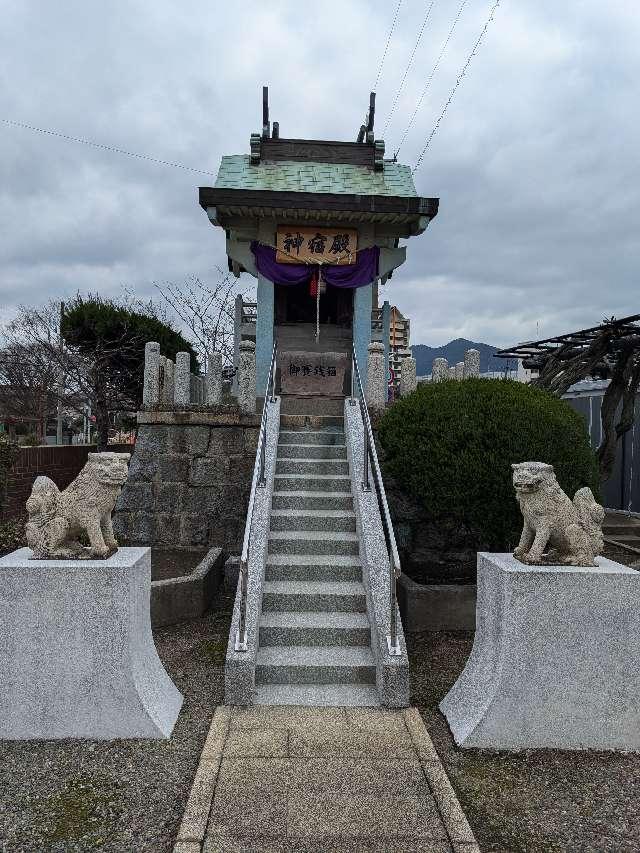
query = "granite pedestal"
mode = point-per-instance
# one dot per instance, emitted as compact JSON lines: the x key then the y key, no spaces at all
{"x":77,"y":658}
{"x":556,"y":659}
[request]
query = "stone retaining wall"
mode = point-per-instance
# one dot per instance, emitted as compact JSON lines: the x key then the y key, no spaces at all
{"x":62,"y":463}
{"x":189,"y":479}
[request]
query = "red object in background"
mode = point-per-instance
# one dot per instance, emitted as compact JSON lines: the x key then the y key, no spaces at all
{"x":313,"y":284}
{"x":92,"y":418}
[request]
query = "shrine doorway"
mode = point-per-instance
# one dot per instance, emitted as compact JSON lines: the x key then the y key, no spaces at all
{"x":295,"y":330}
{"x":295,"y":304}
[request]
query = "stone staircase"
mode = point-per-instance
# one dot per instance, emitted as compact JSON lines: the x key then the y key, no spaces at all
{"x":314,"y":644}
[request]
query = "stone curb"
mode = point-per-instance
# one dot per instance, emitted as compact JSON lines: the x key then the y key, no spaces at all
{"x":196,"y":814}
{"x":457,"y":826}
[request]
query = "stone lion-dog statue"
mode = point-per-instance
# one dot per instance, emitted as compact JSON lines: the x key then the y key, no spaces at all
{"x":556,"y":530}
{"x":57,"y":519}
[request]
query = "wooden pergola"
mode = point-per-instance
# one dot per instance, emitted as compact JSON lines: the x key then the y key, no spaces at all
{"x":610,"y":351}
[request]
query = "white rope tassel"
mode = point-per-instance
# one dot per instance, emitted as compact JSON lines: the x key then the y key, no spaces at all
{"x":318,"y":307}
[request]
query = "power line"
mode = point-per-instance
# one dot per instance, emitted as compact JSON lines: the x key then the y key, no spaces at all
{"x":457,"y":83}
{"x":386,"y":47}
{"x":103,"y":147}
{"x":430,"y":78}
{"x":406,"y":71}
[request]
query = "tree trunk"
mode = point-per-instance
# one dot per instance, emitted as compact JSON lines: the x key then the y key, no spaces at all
{"x":101,"y":411}
{"x":622,"y":387}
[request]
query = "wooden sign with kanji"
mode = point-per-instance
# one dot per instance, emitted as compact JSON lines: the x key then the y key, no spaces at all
{"x":316,"y":245}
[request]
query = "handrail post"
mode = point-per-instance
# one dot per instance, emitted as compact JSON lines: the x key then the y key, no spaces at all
{"x":353,"y":379}
{"x":241,"y":636}
{"x":259,"y":481}
{"x":262,"y":480}
{"x":366,"y":487}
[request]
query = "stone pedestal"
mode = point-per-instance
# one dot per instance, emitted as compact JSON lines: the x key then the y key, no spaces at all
{"x":77,"y":658}
{"x":556,"y":659}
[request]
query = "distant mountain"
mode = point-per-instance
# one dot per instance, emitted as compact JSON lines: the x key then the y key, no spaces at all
{"x":454,"y":351}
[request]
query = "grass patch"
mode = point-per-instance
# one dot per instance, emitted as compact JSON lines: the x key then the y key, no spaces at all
{"x":84,"y":810}
{"x":215,"y":651}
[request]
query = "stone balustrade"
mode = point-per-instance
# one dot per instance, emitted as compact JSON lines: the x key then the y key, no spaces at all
{"x":169,"y":383}
{"x":467,"y":369}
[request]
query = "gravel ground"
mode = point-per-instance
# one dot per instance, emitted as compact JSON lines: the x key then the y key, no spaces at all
{"x":121,"y":796}
{"x":129,"y":796}
{"x":538,"y":801}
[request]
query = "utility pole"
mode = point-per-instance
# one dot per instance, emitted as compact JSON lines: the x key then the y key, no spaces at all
{"x":60,"y":379}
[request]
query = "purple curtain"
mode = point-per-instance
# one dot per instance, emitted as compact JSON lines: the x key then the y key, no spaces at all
{"x":363,"y":272}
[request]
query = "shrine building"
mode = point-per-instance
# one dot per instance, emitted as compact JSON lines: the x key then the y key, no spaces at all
{"x":318,"y":223}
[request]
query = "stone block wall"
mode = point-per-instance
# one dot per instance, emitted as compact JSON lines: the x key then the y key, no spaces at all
{"x":62,"y":463}
{"x":189,"y":479}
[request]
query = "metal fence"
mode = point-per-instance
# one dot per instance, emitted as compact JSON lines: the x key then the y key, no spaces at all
{"x":622,"y":489}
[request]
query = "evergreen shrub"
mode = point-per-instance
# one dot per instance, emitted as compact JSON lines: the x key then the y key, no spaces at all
{"x":8,"y":454}
{"x":449,"y":447}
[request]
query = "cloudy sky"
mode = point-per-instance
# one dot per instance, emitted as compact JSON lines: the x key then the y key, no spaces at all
{"x":535,"y":162}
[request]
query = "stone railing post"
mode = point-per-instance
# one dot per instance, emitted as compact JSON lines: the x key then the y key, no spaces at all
{"x":247,"y":378}
{"x":182,"y":379}
{"x":237,"y":335}
{"x":408,"y":382}
{"x":472,"y":364}
{"x":440,"y":370}
{"x":151,"y":386}
{"x":214,"y":378}
{"x":167,"y":389}
{"x":376,"y":392}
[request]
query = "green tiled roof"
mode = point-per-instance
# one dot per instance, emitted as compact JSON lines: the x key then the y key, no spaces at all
{"x":237,"y":173}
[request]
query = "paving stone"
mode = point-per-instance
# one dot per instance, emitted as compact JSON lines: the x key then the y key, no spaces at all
{"x":347,"y":740}
{"x":186,"y":847}
{"x":317,"y":780}
{"x":257,"y":742}
{"x":376,"y":720}
{"x":227,"y":843}
{"x":256,"y":810}
{"x":419,"y":736}
{"x":335,"y":773}
{"x":284,"y":717}
{"x":316,"y":814}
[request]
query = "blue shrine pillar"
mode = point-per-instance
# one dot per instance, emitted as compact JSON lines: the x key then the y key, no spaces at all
{"x":362,"y":304}
{"x":264,"y":332}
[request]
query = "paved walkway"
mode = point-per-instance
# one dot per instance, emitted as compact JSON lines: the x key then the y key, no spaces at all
{"x":321,"y":780}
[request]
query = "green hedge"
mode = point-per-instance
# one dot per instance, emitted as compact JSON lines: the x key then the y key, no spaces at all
{"x":450,"y":445}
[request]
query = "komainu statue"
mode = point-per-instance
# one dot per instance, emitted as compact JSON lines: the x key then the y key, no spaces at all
{"x":57,"y":519}
{"x":556,"y":531}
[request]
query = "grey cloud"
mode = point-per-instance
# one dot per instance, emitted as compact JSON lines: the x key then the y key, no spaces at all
{"x":535,"y":162}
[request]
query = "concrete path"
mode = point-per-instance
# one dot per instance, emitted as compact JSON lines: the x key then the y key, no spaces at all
{"x":319,"y":780}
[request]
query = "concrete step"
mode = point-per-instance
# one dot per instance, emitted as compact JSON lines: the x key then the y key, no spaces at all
{"x":291,"y":404}
{"x":628,"y":538}
{"x":614,"y":531}
{"x":312,"y":467}
{"x":316,"y":596}
{"x":312,"y":542}
{"x":317,"y":483}
{"x":311,"y":500}
{"x":334,"y":520}
{"x":308,"y":628}
{"x":313,"y":451}
{"x":312,"y":422}
{"x":305,"y":436}
{"x":298,"y":567}
{"x":315,"y":665}
{"x":325,"y":695}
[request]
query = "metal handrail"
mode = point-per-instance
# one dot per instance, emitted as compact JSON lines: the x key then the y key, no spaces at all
{"x":369,"y":450}
{"x":258,"y":482}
